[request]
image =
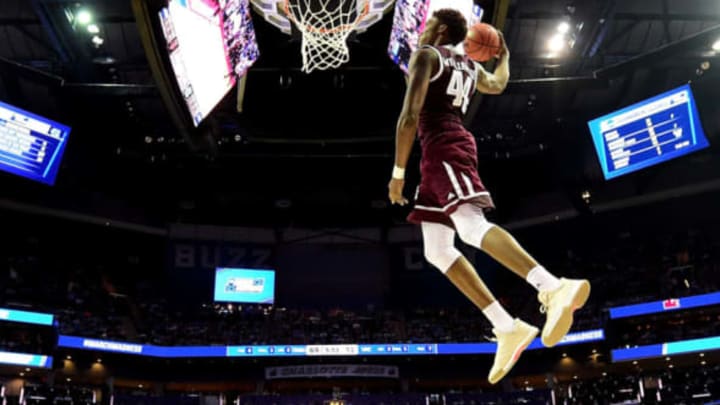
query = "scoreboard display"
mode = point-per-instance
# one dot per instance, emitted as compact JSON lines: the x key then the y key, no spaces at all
{"x":645,"y":134}
{"x":31,"y":146}
{"x":244,"y":286}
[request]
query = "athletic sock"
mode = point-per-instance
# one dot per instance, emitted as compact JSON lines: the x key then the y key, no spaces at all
{"x":499,"y":318}
{"x":542,"y":280}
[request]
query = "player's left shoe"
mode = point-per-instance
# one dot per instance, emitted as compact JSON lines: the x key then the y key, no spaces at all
{"x":559,"y":305}
{"x":510,"y":346}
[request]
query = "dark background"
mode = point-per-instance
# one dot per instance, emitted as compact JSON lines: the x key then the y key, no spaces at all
{"x":315,"y":150}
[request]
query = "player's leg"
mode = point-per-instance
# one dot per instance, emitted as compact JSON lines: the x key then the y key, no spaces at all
{"x":560,"y":297}
{"x":513,"y":335}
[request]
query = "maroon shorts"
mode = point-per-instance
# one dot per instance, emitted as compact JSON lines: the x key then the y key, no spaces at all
{"x":449,"y":178}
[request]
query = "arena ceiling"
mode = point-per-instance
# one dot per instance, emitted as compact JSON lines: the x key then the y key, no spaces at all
{"x":318,"y":148}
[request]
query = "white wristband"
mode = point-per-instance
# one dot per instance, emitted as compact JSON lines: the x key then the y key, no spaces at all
{"x":398,"y":173}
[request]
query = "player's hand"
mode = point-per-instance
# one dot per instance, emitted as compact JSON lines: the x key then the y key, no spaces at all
{"x":395,"y":191}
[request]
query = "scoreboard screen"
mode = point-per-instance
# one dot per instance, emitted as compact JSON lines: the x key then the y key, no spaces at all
{"x":245,"y":286}
{"x":645,"y":134}
{"x":30,"y":146}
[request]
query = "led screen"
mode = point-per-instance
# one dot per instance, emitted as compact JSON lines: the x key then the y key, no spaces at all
{"x":211,"y":43}
{"x":244,"y":285}
{"x":648,"y":133}
{"x":30,"y":146}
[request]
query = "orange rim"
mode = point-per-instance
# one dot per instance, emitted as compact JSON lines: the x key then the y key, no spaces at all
{"x":342,"y":28}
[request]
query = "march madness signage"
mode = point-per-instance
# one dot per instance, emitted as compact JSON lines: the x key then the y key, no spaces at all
{"x":331,"y":371}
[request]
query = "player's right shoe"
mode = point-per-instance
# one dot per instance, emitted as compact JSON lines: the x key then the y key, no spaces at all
{"x":509,"y":348}
{"x":559,"y":305}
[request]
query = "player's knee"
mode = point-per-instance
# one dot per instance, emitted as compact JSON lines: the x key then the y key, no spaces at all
{"x":472,"y":228}
{"x":441,"y":256}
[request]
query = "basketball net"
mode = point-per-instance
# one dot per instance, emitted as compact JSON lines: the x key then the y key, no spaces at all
{"x":325,"y":30}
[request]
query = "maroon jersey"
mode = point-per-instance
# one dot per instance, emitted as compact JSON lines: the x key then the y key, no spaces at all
{"x":448,"y":96}
{"x":449,"y":154}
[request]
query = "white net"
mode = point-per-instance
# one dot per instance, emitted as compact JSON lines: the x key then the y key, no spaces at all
{"x":325,"y":26}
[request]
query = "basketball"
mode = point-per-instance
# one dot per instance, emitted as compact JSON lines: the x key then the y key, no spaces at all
{"x":482,"y":42}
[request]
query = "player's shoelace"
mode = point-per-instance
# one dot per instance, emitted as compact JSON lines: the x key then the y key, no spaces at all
{"x":544,"y":300}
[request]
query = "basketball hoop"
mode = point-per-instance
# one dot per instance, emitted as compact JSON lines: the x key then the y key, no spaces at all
{"x":325,"y":26}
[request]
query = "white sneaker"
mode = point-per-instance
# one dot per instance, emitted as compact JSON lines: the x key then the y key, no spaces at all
{"x":559,"y":305}
{"x":509,"y":348}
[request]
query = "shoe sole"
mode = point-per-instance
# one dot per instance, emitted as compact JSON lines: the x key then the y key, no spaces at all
{"x":516,"y":356}
{"x":565,"y":321}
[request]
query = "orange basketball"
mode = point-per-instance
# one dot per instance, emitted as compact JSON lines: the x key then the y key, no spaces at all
{"x":482,"y":42}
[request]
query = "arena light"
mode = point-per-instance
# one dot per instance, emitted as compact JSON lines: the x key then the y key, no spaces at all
{"x":97,"y":40}
{"x":93,"y":29}
{"x":556,"y":43}
{"x":563,"y":27}
{"x":84,"y":17}
{"x":716,"y":46}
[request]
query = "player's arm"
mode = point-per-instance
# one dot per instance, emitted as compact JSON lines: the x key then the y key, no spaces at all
{"x":495,"y":83}
{"x":420,"y":69}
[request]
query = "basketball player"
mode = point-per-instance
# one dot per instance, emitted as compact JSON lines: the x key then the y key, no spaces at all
{"x":451,"y":198}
